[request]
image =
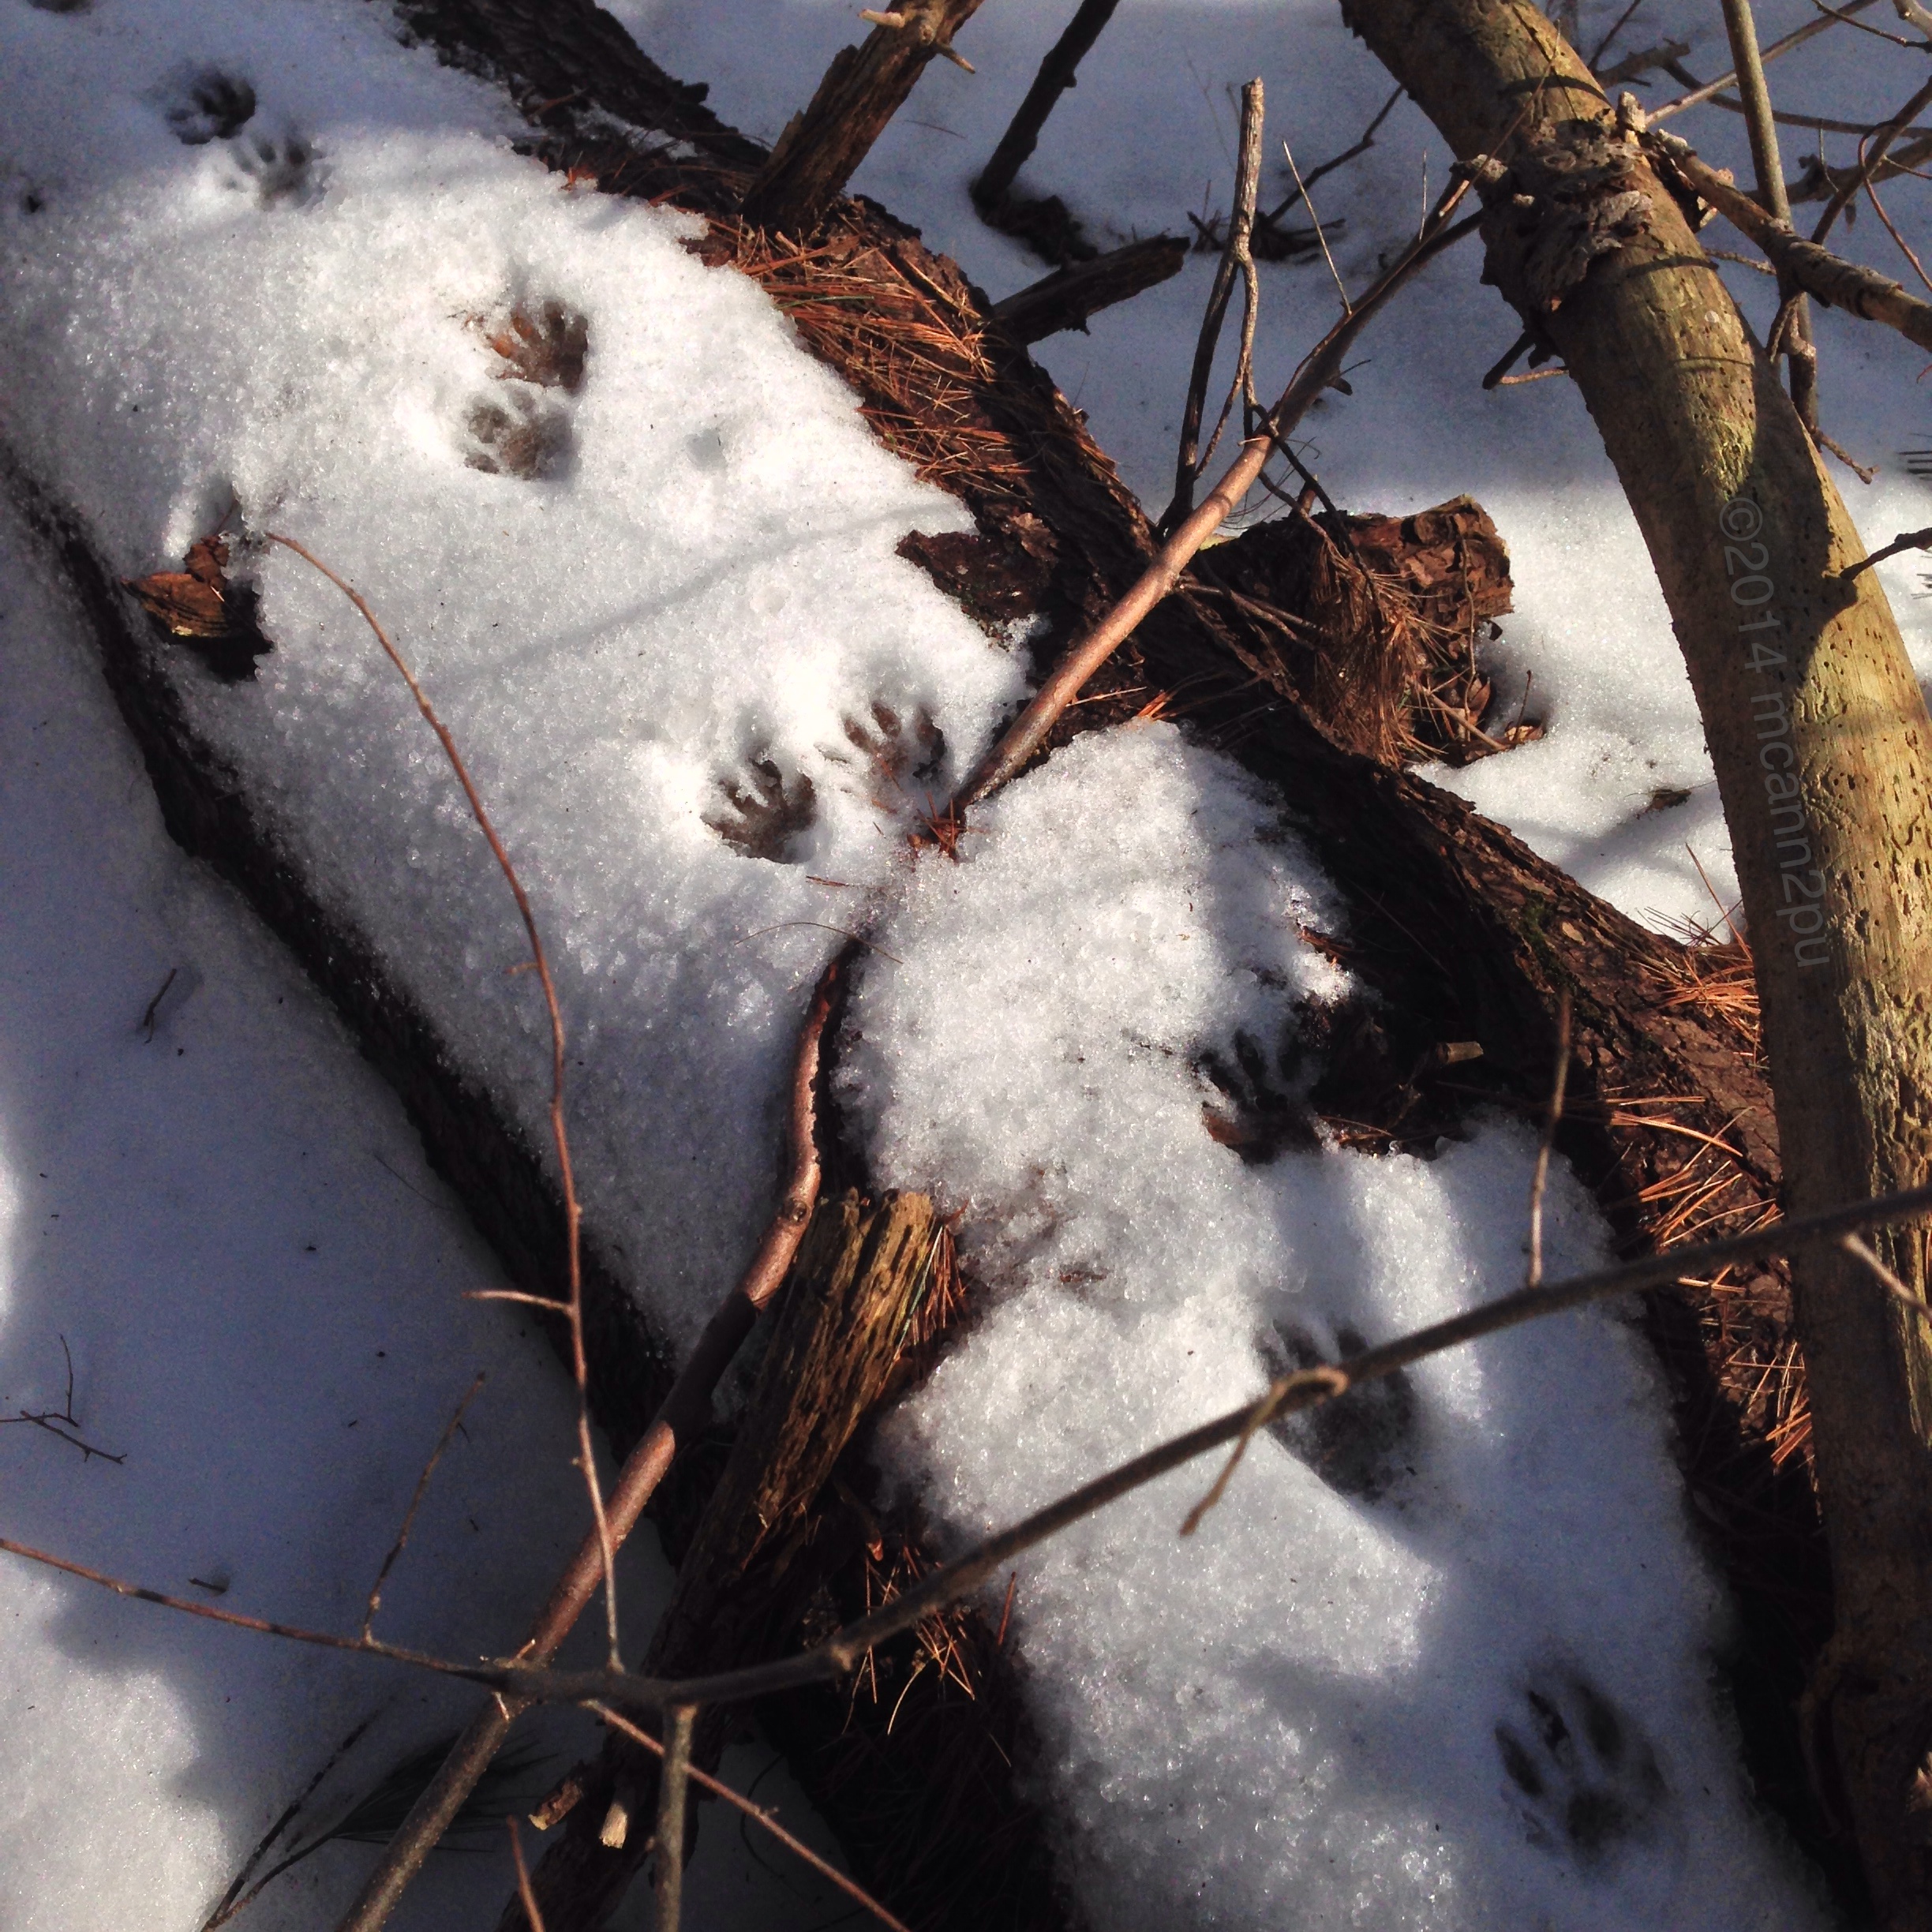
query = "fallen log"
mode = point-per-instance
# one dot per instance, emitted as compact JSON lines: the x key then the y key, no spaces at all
{"x":1462,"y":933}
{"x":761,"y":1551}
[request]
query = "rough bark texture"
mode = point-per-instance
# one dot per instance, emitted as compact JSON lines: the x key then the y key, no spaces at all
{"x":761,"y":1551}
{"x":1065,"y":299}
{"x":821,"y":148}
{"x":1820,"y":738}
{"x":1461,"y":931}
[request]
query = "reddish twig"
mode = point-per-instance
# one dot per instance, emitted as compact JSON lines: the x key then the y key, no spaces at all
{"x":759,"y":1815}
{"x":586,"y":1454}
{"x":523,"y":1878}
{"x":409,"y":1517}
{"x":685,"y":1412}
{"x":1552,"y":1117}
{"x":1322,"y":365}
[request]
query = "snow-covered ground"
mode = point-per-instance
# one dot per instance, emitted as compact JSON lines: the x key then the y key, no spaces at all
{"x":226,"y":1220}
{"x":1466,"y":1679}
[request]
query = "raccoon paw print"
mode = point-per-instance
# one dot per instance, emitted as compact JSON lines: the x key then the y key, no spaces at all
{"x":287,"y":172}
{"x":517,"y":430}
{"x":204,"y":105}
{"x":902,"y":756}
{"x":1256,"y":1115}
{"x":546,"y":343}
{"x":1583,"y":1777}
{"x":766,"y":815}
{"x":1362,"y":1443}
{"x":519,"y":434}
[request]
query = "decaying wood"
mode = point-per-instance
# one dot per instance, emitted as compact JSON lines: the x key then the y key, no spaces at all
{"x":1379,"y":622}
{"x":760,"y":1553}
{"x":1065,"y":299}
{"x":821,"y":147}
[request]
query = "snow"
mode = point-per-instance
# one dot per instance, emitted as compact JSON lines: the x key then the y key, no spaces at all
{"x":231,"y":1226}
{"x":251,"y":257}
{"x":1297,"y":1715}
{"x":1148,"y":134}
{"x":617,"y":643}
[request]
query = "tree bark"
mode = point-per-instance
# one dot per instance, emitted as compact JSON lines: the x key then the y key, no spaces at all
{"x":760,"y":1553}
{"x":1065,"y":299}
{"x":1819,"y":735}
{"x":1057,"y":72}
{"x":821,"y":148}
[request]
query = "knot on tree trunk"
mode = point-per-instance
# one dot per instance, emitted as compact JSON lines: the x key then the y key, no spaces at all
{"x":1571,"y":194}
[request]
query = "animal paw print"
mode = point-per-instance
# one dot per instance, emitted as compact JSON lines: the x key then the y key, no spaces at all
{"x":1361,"y":1444}
{"x":1256,"y":1116}
{"x":902,"y":756}
{"x":766,"y":815}
{"x":1583,"y":1777}
{"x":519,"y":431}
{"x":518,"y":435}
{"x":204,"y":105}
{"x":284,"y":172}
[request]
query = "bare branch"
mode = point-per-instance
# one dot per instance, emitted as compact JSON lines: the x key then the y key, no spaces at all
{"x":1236,"y":256}
{"x":1836,"y":283}
{"x":523,"y":1879}
{"x":672,"y":1779}
{"x":846,"y":1650}
{"x":1869,"y":161}
{"x":409,"y":1519}
{"x":587,"y":1458}
{"x":1797,"y":37}
{"x":1320,"y":367}
{"x":684,"y":1415}
{"x":759,"y":1815}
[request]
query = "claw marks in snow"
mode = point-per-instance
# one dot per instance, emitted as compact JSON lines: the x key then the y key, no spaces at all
{"x":518,"y":430}
{"x":1583,"y":1778}
{"x":894,"y":762}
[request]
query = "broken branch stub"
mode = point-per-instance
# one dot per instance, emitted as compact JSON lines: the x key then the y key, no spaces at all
{"x":861,"y":1274}
{"x":821,"y":148}
{"x":1820,"y":738}
{"x":1065,"y":299}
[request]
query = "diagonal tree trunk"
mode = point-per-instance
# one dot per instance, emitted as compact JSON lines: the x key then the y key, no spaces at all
{"x":1820,"y":739}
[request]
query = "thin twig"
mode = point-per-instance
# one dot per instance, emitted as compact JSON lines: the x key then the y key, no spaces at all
{"x":685,"y":1412}
{"x":1320,"y":234}
{"x":1908,"y":539}
{"x":1801,"y":355}
{"x":1236,"y":256}
{"x":1890,"y":1282}
{"x":847,"y":1649}
{"x":759,"y":1815}
{"x":524,"y":1890}
{"x":1623,"y":20}
{"x":1318,"y":368}
{"x":1797,"y":37}
{"x":672,"y":1777}
{"x":57,"y":1421}
{"x":1904,"y":247}
{"x":1303,"y":183}
{"x":1559,"y":1081}
{"x":409,"y":1519}
{"x":586,"y":1455}
{"x":1868,"y":162}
